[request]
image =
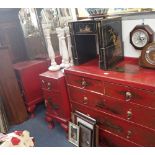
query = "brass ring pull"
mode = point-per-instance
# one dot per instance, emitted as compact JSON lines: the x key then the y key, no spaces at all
{"x":128,"y":134}
{"x":128,"y":96}
{"x":83,"y":83}
{"x":85,"y":100}
{"x":129,"y":114}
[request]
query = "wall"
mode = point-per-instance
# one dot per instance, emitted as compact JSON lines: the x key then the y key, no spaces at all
{"x":128,"y":23}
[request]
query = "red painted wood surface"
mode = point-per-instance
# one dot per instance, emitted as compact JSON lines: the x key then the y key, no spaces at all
{"x":140,"y":135}
{"x":84,"y":82}
{"x":139,"y":96}
{"x":56,"y":97}
{"x":122,"y":102}
{"x":114,"y":106}
{"x":27,"y":73}
{"x":109,"y":139}
{"x":135,"y":75}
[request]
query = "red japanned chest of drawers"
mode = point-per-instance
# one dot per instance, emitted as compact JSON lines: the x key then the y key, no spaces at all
{"x":121,"y":100}
{"x":27,"y":73}
{"x":56,"y":98}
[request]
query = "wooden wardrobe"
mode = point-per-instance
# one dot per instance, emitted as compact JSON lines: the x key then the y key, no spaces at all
{"x":9,"y":90}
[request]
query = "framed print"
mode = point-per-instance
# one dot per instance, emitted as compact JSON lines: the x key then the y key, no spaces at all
{"x":73,"y":134}
{"x":85,"y":136}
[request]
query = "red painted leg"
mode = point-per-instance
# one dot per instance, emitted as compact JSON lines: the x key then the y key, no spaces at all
{"x":51,"y":125}
{"x":31,"y":109}
{"x":50,"y":122}
{"x":65,"y":127}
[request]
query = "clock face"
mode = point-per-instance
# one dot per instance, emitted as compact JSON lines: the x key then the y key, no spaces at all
{"x":150,"y":56}
{"x":140,"y":38}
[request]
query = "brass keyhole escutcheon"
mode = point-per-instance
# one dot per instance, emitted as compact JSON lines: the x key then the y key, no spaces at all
{"x":83,"y":83}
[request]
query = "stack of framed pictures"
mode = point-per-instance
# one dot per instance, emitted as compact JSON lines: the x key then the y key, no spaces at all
{"x":83,"y":130}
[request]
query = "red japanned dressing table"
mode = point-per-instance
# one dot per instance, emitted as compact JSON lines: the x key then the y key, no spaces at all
{"x":122,"y":100}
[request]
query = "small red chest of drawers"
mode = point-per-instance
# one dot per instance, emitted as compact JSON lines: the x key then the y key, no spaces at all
{"x":56,"y":98}
{"x":27,"y":73}
{"x":122,"y":102}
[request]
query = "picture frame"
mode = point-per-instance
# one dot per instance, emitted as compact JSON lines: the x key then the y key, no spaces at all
{"x":86,"y":134}
{"x":73,"y":134}
{"x":89,"y":125}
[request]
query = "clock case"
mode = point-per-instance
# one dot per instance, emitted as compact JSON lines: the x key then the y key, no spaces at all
{"x":148,"y":60}
{"x":145,"y":28}
{"x":98,"y":36}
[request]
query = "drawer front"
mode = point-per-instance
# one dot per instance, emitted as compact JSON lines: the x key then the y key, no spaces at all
{"x":129,"y":94}
{"x":84,"y":97}
{"x":85,"y":83}
{"x":128,"y":111}
{"x":107,"y":138}
{"x":53,"y":103}
{"x":129,"y":131}
{"x":49,"y":84}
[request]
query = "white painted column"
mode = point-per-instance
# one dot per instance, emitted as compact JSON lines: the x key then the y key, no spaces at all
{"x":69,"y":45}
{"x":63,"y":48}
{"x":54,"y":66}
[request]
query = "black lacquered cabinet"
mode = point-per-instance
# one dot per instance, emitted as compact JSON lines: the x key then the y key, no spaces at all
{"x":101,"y":37}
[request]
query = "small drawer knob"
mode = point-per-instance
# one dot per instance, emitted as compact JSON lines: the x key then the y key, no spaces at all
{"x":83,"y":83}
{"x":129,"y":134}
{"x":85,"y":100}
{"x":49,"y":86}
{"x":43,"y":81}
{"x":128,"y":96}
{"x":129,"y":114}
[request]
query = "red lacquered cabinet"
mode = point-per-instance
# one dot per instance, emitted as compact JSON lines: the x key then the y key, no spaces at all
{"x":122,"y":101}
{"x":27,"y":73}
{"x":56,"y":98}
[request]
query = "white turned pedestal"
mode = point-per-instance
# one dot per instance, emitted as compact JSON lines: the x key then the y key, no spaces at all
{"x":69,"y":44}
{"x":54,"y":66}
{"x":63,"y":48}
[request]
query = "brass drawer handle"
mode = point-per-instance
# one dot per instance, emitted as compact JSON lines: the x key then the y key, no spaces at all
{"x":129,"y":134}
{"x":83,"y":83}
{"x":128,"y":96}
{"x":49,"y":86}
{"x":85,"y":100}
{"x":100,"y":105}
{"x":129,"y":114}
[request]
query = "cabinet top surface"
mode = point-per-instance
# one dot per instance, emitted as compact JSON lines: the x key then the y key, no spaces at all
{"x":26,"y":64}
{"x":54,"y":75}
{"x":125,"y":72}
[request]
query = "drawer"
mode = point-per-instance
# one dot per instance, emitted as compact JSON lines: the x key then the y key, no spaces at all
{"x":49,"y":84}
{"x":129,"y":111}
{"x":107,"y":138}
{"x":85,"y":83}
{"x":84,"y":97}
{"x":53,"y":103}
{"x":129,"y":94}
{"x":125,"y":129}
